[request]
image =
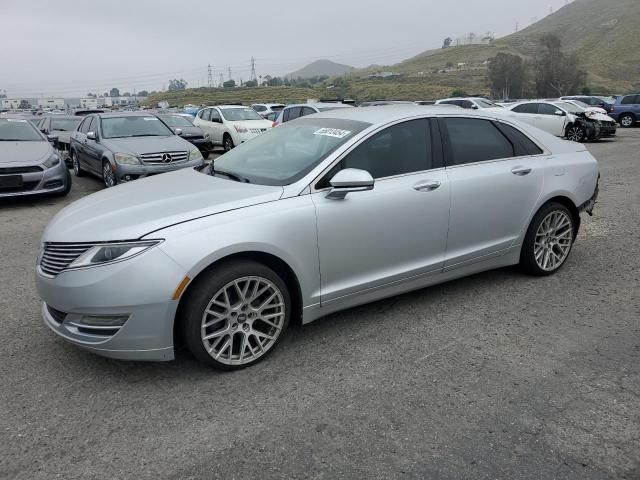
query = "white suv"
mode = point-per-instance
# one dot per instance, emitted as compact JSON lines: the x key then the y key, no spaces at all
{"x":265,"y":109}
{"x":231,"y":125}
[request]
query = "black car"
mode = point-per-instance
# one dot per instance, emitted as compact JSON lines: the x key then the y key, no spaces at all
{"x":191,"y":133}
{"x":60,"y":127}
{"x":592,"y":101}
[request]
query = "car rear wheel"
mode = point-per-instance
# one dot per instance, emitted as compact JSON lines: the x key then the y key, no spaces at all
{"x":627,"y":120}
{"x":548,"y":241}
{"x":108,"y":175}
{"x":75,"y":163}
{"x":576,"y":133}
{"x":227,"y":142}
{"x":234,"y":316}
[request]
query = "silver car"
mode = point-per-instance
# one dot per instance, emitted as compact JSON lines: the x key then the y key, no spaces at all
{"x":321,"y":214}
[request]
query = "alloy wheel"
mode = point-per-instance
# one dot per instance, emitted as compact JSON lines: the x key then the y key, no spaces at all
{"x":108,"y":175}
{"x":626,"y":121}
{"x":553,"y":240}
{"x":575,"y":134}
{"x":228,"y":144}
{"x":243,"y":320}
{"x":76,"y":165}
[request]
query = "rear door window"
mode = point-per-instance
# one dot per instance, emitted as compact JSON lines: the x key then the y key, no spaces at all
{"x":472,"y":140}
{"x":523,"y":145}
{"x":206,"y":115}
{"x":291,"y":113}
{"x":215,"y":116}
{"x":630,"y":100}
{"x":546,"y":109}
{"x":526,"y":108}
{"x":307,"y":111}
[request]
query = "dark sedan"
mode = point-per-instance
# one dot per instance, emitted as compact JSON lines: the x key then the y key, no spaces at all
{"x":120,"y":147}
{"x":187,"y":130}
{"x":28,"y":163}
{"x":60,"y":126}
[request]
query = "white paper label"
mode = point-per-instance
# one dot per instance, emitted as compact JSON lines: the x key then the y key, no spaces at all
{"x":332,"y":132}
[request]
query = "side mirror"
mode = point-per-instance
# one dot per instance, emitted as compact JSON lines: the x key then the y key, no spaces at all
{"x":474,"y":107}
{"x":92,"y":136}
{"x":350,"y":180}
{"x":560,"y":113}
{"x":178,"y":131}
{"x":52,"y":138}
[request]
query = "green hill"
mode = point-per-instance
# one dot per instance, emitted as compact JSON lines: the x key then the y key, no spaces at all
{"x":320,"y":68}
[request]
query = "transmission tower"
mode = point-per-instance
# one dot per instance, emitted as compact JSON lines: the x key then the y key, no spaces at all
{"x":221,"y":80}
{"x":253,"y":69}
{"x":229,"y":73}
{"x":209,"y":76}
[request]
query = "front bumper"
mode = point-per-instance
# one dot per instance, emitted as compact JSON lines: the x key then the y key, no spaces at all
{"x":49,"y":180}
{"x":132,"y":172}
{"x":140,"y":289}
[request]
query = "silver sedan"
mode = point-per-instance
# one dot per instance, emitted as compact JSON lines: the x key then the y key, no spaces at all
{"x":321,"y":214}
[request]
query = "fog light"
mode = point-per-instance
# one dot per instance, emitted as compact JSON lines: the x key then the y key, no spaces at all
{"x":104,"y":321}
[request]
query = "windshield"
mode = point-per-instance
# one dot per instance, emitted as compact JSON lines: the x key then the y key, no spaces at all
{"x":65,"y":124}
{"x":487,"y":103}
{"x":569,"y":107}
{"x":18,"y":130}
{"x":176,"y":120}
{"x":240,"y":114}
{"x":119,"y":127}
{"x":285,"y":154}
{"x":580,"y":104}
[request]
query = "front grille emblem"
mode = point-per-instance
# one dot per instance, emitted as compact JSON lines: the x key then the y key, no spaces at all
{"x":166,"y":158}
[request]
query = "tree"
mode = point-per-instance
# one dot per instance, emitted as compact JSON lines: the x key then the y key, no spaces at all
{"x":447,"y":42}
{"x":448,"y":65}
{"x":126,"y":94}
{"x":556,"y":74}
{"x":251,"y":83}
{"x":91,"y":95}
{"x":459,"y":93}
{"x":229,"y":84}
{"x":114,"y":92}
{"x":24,"y":104}
{"x":143,"y":93}
{"x":507,"y":74}
{"x":176,"y":84}
{"x":275,"y":82}
{"x":586,"y":91}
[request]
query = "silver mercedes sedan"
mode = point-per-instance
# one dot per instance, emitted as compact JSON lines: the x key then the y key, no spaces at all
{"x":321,"y":214}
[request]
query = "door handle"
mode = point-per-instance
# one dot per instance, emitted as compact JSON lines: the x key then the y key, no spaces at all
{"x":427,"y":186}
{"x":521,"y":171}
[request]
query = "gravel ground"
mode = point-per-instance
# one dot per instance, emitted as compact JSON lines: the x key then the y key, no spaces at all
{"x":498,"y":375}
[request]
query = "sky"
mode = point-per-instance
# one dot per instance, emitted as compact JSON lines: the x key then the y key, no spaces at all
{"x":74,"y":47}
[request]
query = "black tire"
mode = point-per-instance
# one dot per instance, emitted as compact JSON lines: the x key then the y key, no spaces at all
{"x":106,"y":178}
{"x":75,"y":164}
{"x":200,"y":294}
{"x":576,"y":133}
{"x":627,"y":120}
{"x":227,"y":142}
{"x":206,"y":154}
{"x":528,"y":261}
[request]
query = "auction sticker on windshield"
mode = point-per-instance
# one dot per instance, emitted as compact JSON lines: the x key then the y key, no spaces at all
{"x":332,"y":132}
{"x":17,"y":120}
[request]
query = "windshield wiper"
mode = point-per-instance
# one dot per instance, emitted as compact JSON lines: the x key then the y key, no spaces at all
{"x":232,"y":176}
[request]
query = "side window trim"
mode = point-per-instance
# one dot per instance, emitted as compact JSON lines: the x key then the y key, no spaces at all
{"x":448,"y":153}
{"x":321,"y":176}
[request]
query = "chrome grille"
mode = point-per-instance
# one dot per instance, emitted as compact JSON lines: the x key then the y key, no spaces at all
{"x":14,"y":170}
{"x":164,"y":158}
{"x":57,"y":256}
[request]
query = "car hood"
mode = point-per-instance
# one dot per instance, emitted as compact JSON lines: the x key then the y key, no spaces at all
{"x":135,"y":209}
{"x":141,"y":145}
{"x":24,"y":153}
{"x":253,"y":124}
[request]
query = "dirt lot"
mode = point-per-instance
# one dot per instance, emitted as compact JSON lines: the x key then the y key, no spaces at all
{"x":495,"y":376}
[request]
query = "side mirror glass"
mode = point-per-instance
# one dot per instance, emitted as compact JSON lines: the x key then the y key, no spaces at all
{"x":92,"y":136}
{"x":350,"y":180}
{"x":560,"y":113}
{"x":474,"y":107}
{"x":52,"y":138}
{"x":178,"y":131}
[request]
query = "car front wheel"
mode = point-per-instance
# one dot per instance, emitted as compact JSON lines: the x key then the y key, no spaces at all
{"x":576,"y":133}
{"x":227,"y":142}
{"x":234,"y":315}
{"x":548,"y":241}
{"x":75,"y":162}
{"x":108,"y":175}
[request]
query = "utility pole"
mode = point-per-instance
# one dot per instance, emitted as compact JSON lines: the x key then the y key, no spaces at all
{"x":517,"y":27}
{"x":229,"y":73}
{"x":221,"y":80}
{"x":209,"y":76}
{"x":253,"y":69}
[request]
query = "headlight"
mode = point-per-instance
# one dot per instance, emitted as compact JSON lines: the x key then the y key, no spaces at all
{"x":240,"y":129}
{"x":126,"y":159}
{"x":112,"y":252}
{"x":52,"y":161}
{"x":195,"y":154}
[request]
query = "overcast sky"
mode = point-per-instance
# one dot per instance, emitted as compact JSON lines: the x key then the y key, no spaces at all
{"x":72,"y":47}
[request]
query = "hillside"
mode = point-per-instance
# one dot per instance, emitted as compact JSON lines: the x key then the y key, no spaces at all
{"x":604,"y":34}
{"x":320,"y":68}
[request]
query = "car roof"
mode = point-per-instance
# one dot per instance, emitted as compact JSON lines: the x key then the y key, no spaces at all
{"x":63,"y":117}
{"x":391,"y":113}
{"x":321,"y":104}
{"x":461,"y":98}
{"x":123,"y":114}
